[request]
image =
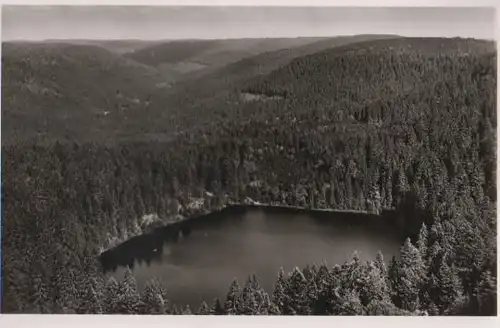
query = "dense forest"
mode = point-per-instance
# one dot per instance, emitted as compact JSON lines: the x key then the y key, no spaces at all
{"x":403,"y":124}
{"x":116,"y":98}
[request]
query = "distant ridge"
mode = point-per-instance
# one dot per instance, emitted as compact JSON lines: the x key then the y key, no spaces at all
{"x":142,"y":101}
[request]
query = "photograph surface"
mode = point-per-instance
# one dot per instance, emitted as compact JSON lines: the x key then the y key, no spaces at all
{"x":249,"y":161}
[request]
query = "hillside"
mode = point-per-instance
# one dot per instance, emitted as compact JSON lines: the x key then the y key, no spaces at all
{"x":408,"y":87}
{"x":215,"y":88}
{"x":185,"y":56}
{"x":196,"y":58}
{"x":61,"y":89}
{"x":119,"y":46}
{"x":407,"y":124}
{"x":266,"y":61}
{"x":405,"y":65}
{"x":71,"y":107}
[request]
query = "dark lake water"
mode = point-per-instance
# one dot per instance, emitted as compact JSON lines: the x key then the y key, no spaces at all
{"x":236,"y":245}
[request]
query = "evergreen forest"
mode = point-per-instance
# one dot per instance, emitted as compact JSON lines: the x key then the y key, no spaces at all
{"x":401,"y":124}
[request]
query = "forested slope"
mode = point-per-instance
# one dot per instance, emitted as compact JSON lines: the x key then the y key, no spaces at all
{"x":212,"y":92}
{"x":63,"y":91}
{"x":407,"y":124}
{"x":264,"y":62}
{"x":119,"y":46}
{"x":184,"y":56}
{"x":75,"y":90}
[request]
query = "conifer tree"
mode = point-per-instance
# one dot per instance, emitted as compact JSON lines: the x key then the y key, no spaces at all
{"x":187,"y":311}
{"x":312,"y":293}
{"x":295,"y":291}
{"x":381,"y":266}
{"x":91,"y":303}
{"x":373,"y":285}
{"x":217,"y":308}
{"x":111,"y":296}
{"x":128,"y":298}
{"x":254,"y":282}
{"x":450,"y":289}
{"x":264,"y":303}
{"x":154,"y":300}
{"x":374,"y":199}
{"x":486,"y":294}
{"x":408,"y":277}
{"x":231,"y":305}
{"x":247,"y":303}
{"x":422,"y":241}
{"x":279,"y":297}
{"x":204,"y":309}
{"x":385,"y":308}
{"x":323,"y":277}
{"x":350,"y":304}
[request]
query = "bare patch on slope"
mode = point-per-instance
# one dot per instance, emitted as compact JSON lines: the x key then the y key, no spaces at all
{"x":248,"y":97}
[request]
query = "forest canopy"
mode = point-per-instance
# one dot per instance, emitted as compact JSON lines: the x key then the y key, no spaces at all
{"x":406,"y":124}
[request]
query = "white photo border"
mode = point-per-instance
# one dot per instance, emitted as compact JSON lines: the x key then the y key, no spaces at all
{"x":109,"y":321}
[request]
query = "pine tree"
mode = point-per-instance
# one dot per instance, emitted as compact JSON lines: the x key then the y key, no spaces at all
{"x":422,"y":241}
{"x":262,"y":299}
{"x":91,"y":303}
{"x":279,"y":297}
{"x":247,"y":304}
{"x":374,"y":200}
{"x":217,"y":308}
{"x":296,"y":298}
{"x":380,"y":264}
{"x":407,"y":277}
{"x":486,"y":294}
{"x":350,"y":304}
{"x":111,"y":293}
{"x":273,"y":309}
{"x":388,"y":190}
{"x":372,"y":285}
{"x":312,"y":292}
{"x":433,"y":309}
{"x":450,"y":288}
{"x":323,"y":277}
{"x":128,"y":298}
{"x":310,"y":272}
{"x":402,"y":187}
{"x":204,"y":309}
{"x":385,"y":308}
{"x":154,"y":299}
{"x":187,"y":311}
{"x":264,"y":303}
{"x":231,"y":304}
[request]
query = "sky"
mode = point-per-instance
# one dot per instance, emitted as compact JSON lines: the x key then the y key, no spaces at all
{"x":134,"y":22}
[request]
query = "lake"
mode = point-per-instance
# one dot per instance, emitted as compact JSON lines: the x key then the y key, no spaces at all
{"x":235,"y":244}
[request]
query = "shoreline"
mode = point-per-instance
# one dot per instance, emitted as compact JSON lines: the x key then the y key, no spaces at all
{"x":157,"y":233}
{"x":247,"y":204}
{"x":265,"y":206}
